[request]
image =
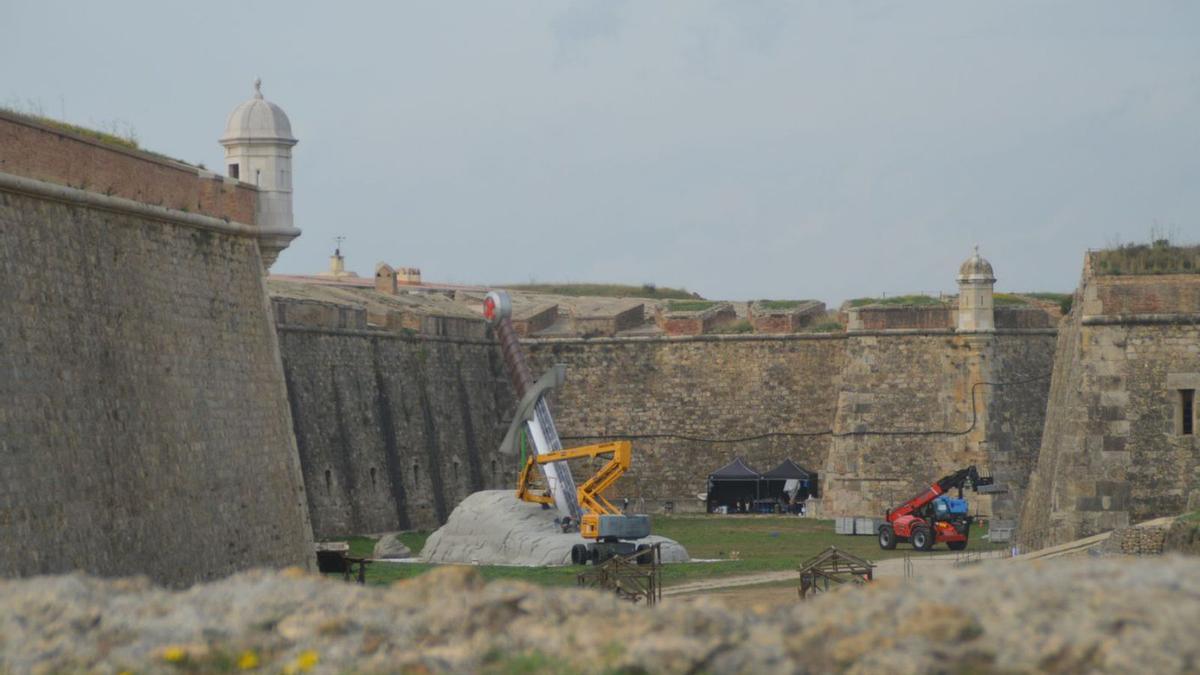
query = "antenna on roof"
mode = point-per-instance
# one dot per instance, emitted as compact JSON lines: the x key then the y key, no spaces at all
{"x":338,"y":239}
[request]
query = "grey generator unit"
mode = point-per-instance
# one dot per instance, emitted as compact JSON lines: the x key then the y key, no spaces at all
{"x":860,"y":525}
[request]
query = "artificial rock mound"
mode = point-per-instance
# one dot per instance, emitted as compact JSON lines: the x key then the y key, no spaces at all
{"x":493,"y":527}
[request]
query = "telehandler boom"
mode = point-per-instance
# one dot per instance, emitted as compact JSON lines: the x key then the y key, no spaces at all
{"x":932,"y":517}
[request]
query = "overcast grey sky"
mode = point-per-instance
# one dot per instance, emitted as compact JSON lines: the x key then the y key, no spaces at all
{"x":741,"y":149}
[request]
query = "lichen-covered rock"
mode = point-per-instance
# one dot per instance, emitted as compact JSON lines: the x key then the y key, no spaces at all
{"x":1114,"y":615}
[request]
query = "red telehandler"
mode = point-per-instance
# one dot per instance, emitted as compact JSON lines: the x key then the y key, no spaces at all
{"x":933,"y":516}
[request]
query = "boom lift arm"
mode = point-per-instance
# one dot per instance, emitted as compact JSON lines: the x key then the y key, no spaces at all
{"x":591,"y":493}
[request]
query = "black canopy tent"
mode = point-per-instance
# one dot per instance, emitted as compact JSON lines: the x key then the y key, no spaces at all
{"x":735,"y":482}
{"x":776,"y":480}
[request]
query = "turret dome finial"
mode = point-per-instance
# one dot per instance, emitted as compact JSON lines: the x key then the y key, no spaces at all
{"x":258,"y":87}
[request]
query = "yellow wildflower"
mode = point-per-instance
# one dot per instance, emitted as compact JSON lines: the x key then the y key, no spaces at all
{"x":248,"y":660}
{"x":174,"y":654}
{"x":304,"y":662}
{"x":307,"y":659}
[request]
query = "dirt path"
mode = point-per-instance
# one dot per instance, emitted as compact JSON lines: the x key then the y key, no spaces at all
{"x":730,"y":582}
{"x":924,"y":564}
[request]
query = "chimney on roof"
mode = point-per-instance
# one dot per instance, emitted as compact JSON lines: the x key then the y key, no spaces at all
{"x":385,"y":278}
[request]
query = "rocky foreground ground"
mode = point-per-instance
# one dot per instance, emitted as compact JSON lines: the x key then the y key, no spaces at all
{"x":1073,"y":616}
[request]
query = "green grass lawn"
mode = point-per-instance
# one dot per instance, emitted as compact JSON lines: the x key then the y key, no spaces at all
{"x":740,"y":544}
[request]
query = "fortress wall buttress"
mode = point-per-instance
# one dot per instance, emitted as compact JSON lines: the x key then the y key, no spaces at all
{"x":393,"y":429}
{"x":144,"y":427}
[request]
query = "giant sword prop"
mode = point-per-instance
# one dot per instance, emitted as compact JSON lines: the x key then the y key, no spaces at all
{"x":533,"y":413}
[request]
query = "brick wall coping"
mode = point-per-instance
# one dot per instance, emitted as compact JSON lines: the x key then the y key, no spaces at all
{"x":379,"y":333}
{"x":70,"y":195}
{"x":775,"y":337}
{"x":110,"y":147}
{"x":1188,"y":319}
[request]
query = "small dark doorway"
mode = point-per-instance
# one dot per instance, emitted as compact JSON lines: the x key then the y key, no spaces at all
{"x":1187,"y":412}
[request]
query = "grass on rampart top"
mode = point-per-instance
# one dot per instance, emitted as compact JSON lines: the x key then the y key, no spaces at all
{"x":780,"y":304}
{"x":605,"y":290}
{"x":1008,"y":300}
{"x":1158,"y":257}
{"x":737,"y":545}
{"x":900,"y":300}
{"x":1050,"y":297}
{"x":690,"y":305}
{"x":825,"y":327}
{"x":1064,"y":300}
{"x":127,"y":141}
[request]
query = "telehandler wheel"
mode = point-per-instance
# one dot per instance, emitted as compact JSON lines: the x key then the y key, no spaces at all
{"x":922,"y":539}
{"x":956,"y":545}
{"x":887,"y":537}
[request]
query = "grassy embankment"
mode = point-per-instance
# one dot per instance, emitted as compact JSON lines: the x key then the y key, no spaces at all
{"x":1158,"y":257}
{"x":126,"y":141}
{"x":739,"y":544}
{"x":900,"y":301}
{"x":690,"y":305}
{"x":605,"y":291}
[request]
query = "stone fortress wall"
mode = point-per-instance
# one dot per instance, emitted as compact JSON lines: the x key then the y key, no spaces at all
{"x":393,"y":430}
{"x":143,"y":419}
{"x":719,"y":387}
{"x":1115,"y":450}
{"x":136,"y":281}
{"x":367,"y":399}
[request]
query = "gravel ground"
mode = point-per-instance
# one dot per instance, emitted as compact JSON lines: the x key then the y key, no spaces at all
{"x":1071,"y":616}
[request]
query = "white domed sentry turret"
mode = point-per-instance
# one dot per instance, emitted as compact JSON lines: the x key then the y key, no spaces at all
{"x":975,"y":282}
{"x":258,"y":150}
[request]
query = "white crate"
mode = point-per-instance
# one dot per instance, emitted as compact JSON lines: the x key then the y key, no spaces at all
{"x":843,"y":525}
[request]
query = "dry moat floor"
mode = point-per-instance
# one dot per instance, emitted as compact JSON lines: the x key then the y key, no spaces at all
{"x":730,"y":547}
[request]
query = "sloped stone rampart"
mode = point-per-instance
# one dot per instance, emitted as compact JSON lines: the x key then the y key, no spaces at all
{"x":143,"y":419}
{"x":1113,"y":449}
{"x":393,"y":430}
